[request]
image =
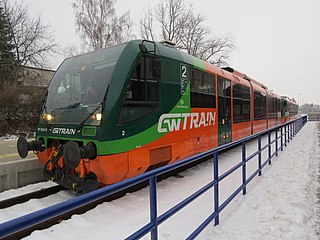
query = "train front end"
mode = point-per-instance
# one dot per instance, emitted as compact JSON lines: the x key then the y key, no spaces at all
{"x":71,"y":118}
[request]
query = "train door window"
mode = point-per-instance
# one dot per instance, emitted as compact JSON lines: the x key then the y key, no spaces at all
{"x":224,"y":111}
{"x":142,"y":91}
{"x":259,"y":105}
{"x":224,"y":94}
{"x":203,"y":89}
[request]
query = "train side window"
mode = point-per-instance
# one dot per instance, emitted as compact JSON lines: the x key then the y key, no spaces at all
{"x":203,"y":89}
{"x":259,"y":105}
{"x":237,"y":103}
{"x":241,"y":103}
{"x":142,"y":91}
{"x":270,"y":107}
{"x":246,"y":103}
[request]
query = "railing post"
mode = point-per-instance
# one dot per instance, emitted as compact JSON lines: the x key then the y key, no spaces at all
{"x":244,"y":171}
{"x":289,"y":134}
{"x":281,"y":138}
{"x":216,"y":187}
{"x":259,"y":155}
{"x":277,"y":141}
{"x":285,"y":135}
{"x":153,"y":207}
{"x":293,"y":130}
{"x":269,"y":147}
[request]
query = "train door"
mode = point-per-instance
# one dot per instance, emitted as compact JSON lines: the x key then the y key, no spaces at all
{"x":224,"y":111}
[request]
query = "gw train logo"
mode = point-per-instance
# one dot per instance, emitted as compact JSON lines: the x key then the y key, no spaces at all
{"x":66,"y":131}
{"x":175,"y":121}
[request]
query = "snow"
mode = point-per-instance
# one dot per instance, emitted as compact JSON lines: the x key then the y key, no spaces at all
{"x":26,"y":189}
{"x":33,"y":205}
{"x":9,"y":137}
{"x":280,"y":204}
{"x":14,"y":137}
{"x":284,"y":205}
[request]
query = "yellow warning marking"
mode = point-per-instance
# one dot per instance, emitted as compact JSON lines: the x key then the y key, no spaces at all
{"x":9,"y":155}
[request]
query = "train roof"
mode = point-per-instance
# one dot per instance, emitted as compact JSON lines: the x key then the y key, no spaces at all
{"x":168,"y":50}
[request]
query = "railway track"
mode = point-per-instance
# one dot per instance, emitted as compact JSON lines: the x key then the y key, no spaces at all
{"x":79,"y":210}
{"x":82,"y":209}
{"x":61,"y":216}
{"x":44,"y":192}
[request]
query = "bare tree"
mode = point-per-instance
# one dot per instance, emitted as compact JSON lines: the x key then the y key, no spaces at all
{"x":33,"y":42}
{"x":98,"y":24}
{"x":146,"y":26}
{"x":179,"y":24}
{"x":7,"y":58}
{"x":170,"y":15}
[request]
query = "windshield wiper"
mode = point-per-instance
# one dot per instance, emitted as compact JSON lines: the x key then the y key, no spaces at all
{"x":70,"y":106}
{"x":74,"y":105}
{"x":43,"y":109}
{"x":86,"y":119}
{"x":43,"y":106}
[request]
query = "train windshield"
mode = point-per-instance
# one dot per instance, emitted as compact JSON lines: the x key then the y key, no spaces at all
{"x":79,"y":87}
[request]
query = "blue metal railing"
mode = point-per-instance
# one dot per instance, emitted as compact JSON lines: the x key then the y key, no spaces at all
{"x":287,"y":131}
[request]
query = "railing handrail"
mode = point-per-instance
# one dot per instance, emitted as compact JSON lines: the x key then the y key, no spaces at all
{"x":15,"y":225}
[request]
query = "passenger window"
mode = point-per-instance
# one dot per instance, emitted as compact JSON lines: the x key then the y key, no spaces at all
{"x":272,"y":107}
{"x":203,"y":90}
{"x":142,"y":91}
{"x":259,"y":105}
{"x":241,"y":103}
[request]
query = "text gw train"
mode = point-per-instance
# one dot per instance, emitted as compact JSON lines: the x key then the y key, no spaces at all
{"x":114,"y":113}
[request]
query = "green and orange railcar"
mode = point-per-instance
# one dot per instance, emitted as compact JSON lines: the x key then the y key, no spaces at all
{"x":116,"y":113}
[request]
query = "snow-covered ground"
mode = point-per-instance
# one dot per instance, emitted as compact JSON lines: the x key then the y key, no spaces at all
{"x":281,"y":204}
{"x":8,"y":137}
{"x":285,"y":202}
{"x":12,"y":137}
{"x":33,"y":204}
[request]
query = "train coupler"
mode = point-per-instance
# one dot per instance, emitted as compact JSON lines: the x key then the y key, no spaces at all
{"x":71,"y":180}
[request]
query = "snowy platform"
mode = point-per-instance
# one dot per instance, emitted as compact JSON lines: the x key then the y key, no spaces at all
{"x":17,"y":173}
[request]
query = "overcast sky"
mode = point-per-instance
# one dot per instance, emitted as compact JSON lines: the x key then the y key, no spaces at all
{"x":277,"y":42}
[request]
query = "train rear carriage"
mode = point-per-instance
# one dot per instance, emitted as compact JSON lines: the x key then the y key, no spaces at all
{"x":118,"y":112}
{"x":289,"y":109}
{"x":273,"y":109}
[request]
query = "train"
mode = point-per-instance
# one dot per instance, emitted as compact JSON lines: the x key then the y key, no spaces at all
{"x":118,"y":112}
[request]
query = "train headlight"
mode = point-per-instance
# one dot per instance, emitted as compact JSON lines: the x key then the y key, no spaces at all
{"x":47,"y":117}
{"x":98,"y":116}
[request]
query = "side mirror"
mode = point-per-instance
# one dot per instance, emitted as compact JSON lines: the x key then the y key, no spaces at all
{"x":143,"y":48}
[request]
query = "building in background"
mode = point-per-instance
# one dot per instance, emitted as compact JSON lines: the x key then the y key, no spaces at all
{"x":36,"y":77}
